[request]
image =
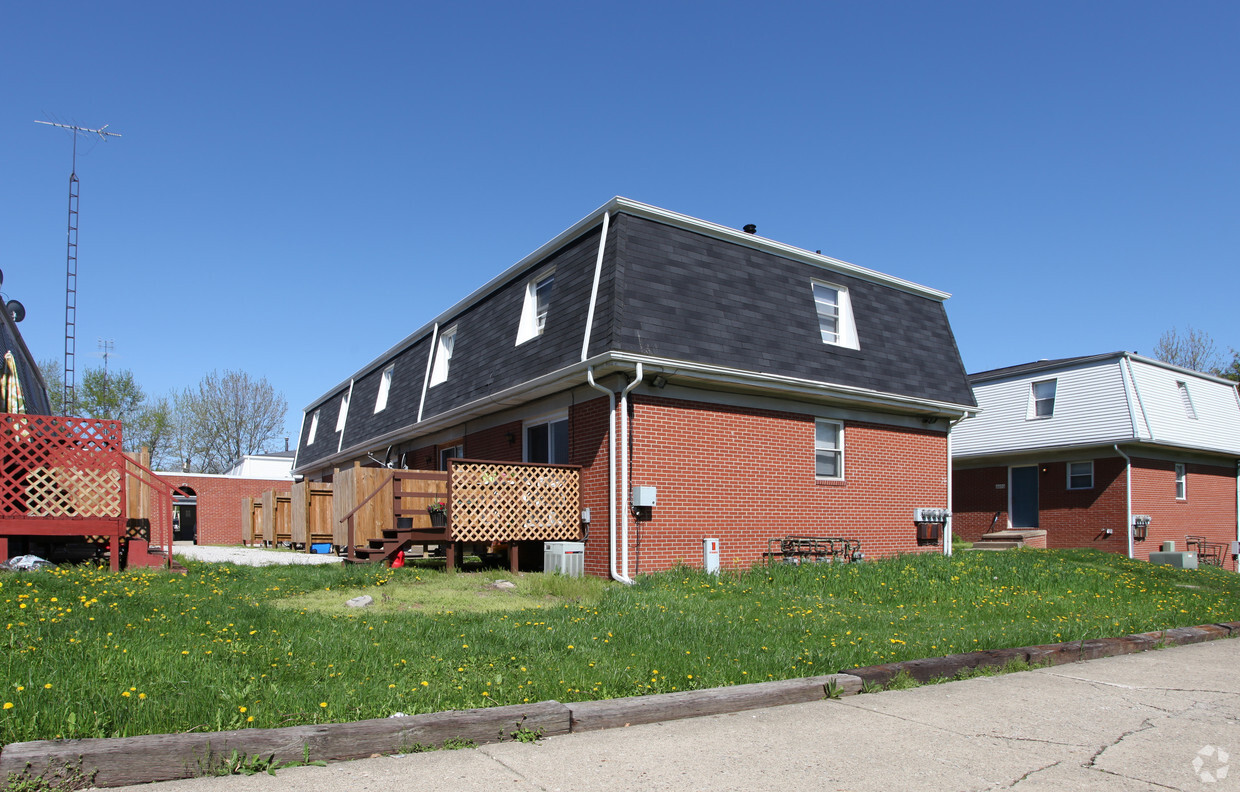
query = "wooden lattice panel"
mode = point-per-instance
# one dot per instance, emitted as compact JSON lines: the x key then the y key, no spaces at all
{"x":73,"y":492}
{"x":61,"y":468}
{"x":499,"y":502}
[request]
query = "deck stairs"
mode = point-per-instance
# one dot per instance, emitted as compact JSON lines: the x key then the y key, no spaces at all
{"x":384,"y":549}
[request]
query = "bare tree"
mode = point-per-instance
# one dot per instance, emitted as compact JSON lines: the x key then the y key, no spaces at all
{"x":1195,"y":350}
{"x":228,"y":415}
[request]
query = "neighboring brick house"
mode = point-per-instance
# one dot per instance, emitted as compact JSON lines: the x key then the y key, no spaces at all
{"x":761,"y":389}
{"x":212,"y":514}
{"x":1078,"y":447}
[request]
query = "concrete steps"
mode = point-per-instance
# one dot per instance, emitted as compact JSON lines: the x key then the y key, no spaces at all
{"x":1008,"y":540}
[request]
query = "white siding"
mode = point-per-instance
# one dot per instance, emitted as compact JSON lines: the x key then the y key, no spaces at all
{"x":1217,"y":426}
{"x":1090,"y":409}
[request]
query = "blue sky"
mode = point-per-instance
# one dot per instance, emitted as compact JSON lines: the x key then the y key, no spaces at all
{"x":299,"y":186}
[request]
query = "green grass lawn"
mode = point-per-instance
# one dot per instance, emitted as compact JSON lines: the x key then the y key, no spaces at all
{"x":89,"y":653}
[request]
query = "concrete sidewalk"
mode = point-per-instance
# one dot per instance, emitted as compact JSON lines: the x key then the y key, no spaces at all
{"x":1164,"y":719}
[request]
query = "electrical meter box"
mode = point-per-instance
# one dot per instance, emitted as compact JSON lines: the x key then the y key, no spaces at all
{"x":645,"y":496}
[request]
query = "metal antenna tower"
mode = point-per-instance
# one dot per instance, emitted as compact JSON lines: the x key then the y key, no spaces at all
{"x":69,"y":406}
{"x":106,"y":345}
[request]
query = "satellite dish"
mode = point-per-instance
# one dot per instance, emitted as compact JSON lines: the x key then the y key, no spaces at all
{"x":16,"y":310}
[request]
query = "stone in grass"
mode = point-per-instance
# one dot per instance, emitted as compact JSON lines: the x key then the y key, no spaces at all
{"x":503,"y":584}
{"x":360,"y":602}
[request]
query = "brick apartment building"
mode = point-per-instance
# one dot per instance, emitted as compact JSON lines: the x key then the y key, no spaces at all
{"x":761,"y":390}
{"x":1083,"y":446}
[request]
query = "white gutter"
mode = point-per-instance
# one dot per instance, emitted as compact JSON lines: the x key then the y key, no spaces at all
{"x":611,"y":477}
{"x":624,"y":469}
{"x":569,"y":376}
{"x":598,"y":275}
{"x":426,"y":378}
{"x":947,"y":526}
{"x":344,"y":424}
{"x":1128,"y":493}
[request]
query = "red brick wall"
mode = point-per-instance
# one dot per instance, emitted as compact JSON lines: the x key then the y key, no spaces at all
{"x":1209,"y":509}
{"x":219,"y":503}
{"x":1071,"y":518}
{"x":1077,"y":518}
{"x":493,"y":444}
{"x":747,"y":475}
{"x":978,"y":493}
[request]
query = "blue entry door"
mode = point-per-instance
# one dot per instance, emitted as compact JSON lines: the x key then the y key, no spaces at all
{"x":1024,"y":506}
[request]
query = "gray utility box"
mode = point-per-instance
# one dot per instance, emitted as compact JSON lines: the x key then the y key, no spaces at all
{"x":566,"y":558}
{"x":1177,"y":559}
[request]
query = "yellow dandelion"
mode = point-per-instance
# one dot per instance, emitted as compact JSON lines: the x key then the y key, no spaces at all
{"x":8,"y":705}
{"x":322,"y":703}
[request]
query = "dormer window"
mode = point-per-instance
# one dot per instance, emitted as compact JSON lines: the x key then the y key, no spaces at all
{"x":534,"y":310}
{"x":835,"y":319}
{"x":314,"y":428}
{"x":385,"y":386}
{"x":344,"y":413}
{"x":1187,"y":400}
{"x":1042,"y":399}
{"x":443,"y":356}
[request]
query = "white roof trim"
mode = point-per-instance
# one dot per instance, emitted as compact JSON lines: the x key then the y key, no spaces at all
{"x":614,"y":362}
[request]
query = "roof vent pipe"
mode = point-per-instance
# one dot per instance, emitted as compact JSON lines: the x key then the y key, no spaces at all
{"x":750,"y":229}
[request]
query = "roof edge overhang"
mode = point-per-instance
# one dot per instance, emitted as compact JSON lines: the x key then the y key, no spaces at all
{"x":638,"y":209}
{"x":1023,"y":370}
{"x":684,"y":372}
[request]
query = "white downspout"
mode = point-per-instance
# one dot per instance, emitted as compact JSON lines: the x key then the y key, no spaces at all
{"x":1128,"y":493}
{"x":947,"y":526}
{"x":624,"y":470}
{"x":611,"y":477}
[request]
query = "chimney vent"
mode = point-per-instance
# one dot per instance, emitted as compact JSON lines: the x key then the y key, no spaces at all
{"x":750,"y":229}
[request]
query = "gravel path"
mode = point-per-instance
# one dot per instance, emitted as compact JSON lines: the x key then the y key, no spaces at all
{"x":249,"y":556}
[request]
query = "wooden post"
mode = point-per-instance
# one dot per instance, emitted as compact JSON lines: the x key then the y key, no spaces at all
{"x":513,"y":554}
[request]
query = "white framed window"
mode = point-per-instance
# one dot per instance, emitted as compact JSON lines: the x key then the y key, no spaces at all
{"x":1181,"y":481}
{"x":314,"y":428}
{"x":344,"y":413}
{"x":546,"y":440}
{"x":828,"y":449}
{"x":443,"y":356}
{"x":537,"y":303}
{"x":835,"y":317}
{"x":1042,"y":399}
{"x":1187,"y":400}
{"x":1081,"y":475}
{"x":385,"y":386}
{"x":450,"y":452}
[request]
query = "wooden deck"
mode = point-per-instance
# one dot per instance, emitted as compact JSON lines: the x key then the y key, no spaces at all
{"x":69,"y":478}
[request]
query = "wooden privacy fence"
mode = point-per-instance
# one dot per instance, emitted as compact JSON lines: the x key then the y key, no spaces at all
{"x":252,"y":521}
{"x":512,"y":501}
{"x":311,"y":511}
{"x":352,"y":486}
{"x":277,"y":517}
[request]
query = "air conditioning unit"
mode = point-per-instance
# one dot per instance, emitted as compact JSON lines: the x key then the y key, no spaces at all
{"x":565,"y":558}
